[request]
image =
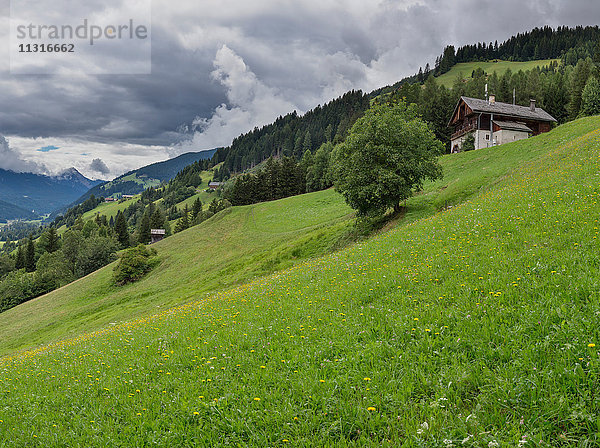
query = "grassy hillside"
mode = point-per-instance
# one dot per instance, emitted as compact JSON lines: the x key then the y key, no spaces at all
{"x":109,"y":209}
{"x":204,"y":195}
{"x":466,"y":68}
{"x":236,"y":245}
{"x":476,"y":326}
{"x":464,"y":176}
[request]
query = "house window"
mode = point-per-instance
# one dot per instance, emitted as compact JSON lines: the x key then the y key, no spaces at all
{"x":487,"y":136}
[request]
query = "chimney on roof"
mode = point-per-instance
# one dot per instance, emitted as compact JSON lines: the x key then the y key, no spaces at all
{"x":492,"y":99}
{"x":532,"y":105}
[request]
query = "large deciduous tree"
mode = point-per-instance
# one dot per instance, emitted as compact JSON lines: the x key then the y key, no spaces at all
{"x":389,"y":153}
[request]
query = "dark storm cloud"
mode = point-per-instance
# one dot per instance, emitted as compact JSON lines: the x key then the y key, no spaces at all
{"x":99,"y":166}
{"x":296,"y":54}
{"x":135,"y":108}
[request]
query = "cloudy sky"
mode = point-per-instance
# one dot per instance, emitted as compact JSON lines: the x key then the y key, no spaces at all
{"x":221,"y":67}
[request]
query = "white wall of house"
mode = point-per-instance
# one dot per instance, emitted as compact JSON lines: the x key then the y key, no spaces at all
{"x":482,"y":139}
{"x":507,"y":136}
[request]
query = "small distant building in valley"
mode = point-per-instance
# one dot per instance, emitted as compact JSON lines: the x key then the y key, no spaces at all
{"x":127,"y":196}
{"x":156,"y":235}
{"x":214,"y":185}
{"x":493,"y":123}
{"x":109,"y":199}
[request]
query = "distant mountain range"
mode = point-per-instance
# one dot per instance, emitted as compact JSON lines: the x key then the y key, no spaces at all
{"x":28,"y":195}
{"x":136,"y":181}
{"x":10,"y":211}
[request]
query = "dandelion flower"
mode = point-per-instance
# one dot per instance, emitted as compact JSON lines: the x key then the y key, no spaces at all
{"x":592,"y":345}
{"x":371,"y":408}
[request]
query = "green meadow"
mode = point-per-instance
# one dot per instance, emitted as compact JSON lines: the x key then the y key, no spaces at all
{"x":473,"y":322}
{"x":234,"y":246}
{"x":465,"y":69}
{"x":110,"y":209}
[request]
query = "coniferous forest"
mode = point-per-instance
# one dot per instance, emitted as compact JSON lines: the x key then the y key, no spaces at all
{"x":292,"y":135}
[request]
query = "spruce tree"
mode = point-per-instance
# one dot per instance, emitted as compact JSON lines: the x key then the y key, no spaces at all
{"x":52,"y":240}
{"x":184,"y":221}
{"x":590,"y":98}
{"x":157,"y":220}
{"x":144,"y":235}
{"x":30,"y":255}
{"x":579,"y":79}
{"x":307,"y":144}
{"x":196,"y":208}
{"x":121,"y":230}
{"x":186,"y":215}
{"x":20,"y":259}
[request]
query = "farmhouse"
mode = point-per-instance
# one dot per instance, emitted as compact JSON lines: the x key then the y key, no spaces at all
{"x":493,"y":123}
{"x":214,"y":185}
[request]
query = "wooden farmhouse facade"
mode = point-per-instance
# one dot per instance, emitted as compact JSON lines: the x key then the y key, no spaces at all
{"x":493,"y":123}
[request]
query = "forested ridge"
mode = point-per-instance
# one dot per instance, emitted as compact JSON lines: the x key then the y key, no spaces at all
{"x":565,"y":43}
{"x":292,"y":135}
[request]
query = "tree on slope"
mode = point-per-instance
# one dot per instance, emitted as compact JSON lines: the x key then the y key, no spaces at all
{"x":144,"y":235}
{"x":590,"y":98}
{"x":30,"y":255}
{"x":579,"y":79}
{"x":121,"y":230}
{"x":389,"y":153}
{"x":50,"y":241}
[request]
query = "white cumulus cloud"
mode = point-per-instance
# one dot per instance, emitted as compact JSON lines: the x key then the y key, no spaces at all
{"x":12,"y":160}
{"x":250,"y":103}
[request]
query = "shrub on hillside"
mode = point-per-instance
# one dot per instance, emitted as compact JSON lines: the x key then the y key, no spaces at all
{"x":134,"y":264}
{"x":16,"y":288}
{"x":52,"y":271}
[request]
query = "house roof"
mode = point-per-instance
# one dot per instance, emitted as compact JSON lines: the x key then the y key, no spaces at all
{"x":512,"y":125}
{"x":214,"y":184}
{"x":157,"y":231}
{"x":511,"y":110}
